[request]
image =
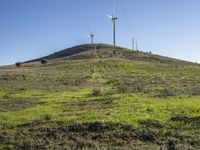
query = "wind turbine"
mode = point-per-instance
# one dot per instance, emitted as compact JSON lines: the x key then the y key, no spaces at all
{"x":92,"y":37}
{"x":133,"y":44}
{"x":136,"y":45}
{"x":113,"y":18}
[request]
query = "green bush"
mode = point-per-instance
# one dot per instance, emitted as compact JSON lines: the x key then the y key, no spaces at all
{"x":96,"y":92}
{"x":18,"y":64}
{"x":44,"y":61}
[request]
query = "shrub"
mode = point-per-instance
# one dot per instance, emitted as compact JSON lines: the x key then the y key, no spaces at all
{"x":47,"y":117}
{"x":18,"y":64}
{"x":44,"y":61}
{"x":96,"y":92}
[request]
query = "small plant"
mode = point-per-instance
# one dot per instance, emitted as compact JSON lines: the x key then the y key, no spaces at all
{"x":44,"y":61}
{"x":96,"y":92}
{"x":47,"y":117}
{"x":18,"y":64}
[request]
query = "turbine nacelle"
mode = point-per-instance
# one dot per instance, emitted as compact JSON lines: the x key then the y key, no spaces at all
{"x":112,"y":17}
{"x":91,"y":35}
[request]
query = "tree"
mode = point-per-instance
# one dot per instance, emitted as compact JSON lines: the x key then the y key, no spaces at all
{"x":44,"y":61}
{"x":18,"y":64}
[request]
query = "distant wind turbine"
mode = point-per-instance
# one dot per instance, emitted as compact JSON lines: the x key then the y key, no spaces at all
{"x":136,"y":45}
{"x":133,"y":44}
{"x":113,"y":18}
{"x":92,"y":37}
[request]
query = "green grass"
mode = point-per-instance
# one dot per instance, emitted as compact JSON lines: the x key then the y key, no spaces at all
{"x":108,"y":91}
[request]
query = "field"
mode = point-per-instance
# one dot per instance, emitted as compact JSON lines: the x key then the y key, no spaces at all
{"x":100,"y":103}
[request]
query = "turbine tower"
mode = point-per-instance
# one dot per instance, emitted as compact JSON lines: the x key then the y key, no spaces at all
{"x":113,"y":18}
{"x":92,"y":37}
{"x":133,"y":44}
{"x":136,"y":45}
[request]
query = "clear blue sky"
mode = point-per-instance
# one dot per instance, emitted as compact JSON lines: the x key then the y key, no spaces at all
{"x":35,"y":28}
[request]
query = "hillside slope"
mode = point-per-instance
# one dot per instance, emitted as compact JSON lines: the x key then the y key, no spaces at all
{"x":146,"y":102}
{"x":89,"y":51}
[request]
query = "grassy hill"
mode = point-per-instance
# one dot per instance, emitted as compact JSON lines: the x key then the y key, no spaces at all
{"x":100,"y":97}
{"x":94,"y":51}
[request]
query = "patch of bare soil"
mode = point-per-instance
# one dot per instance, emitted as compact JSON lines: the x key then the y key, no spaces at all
{"x":94,"y":135}
{"x":195,"y":121}
{"x":101,"y":103}
{"x":91,"y":135}
{"x":16,"y":104}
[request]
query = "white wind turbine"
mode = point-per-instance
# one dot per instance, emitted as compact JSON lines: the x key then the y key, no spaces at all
{"x":133,"y":44}
{"x":113,"y":18}
{"x":136,"y":45}
{"x":91,"y":37}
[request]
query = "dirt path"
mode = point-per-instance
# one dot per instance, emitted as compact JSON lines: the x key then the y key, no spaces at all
{"x":98,"y":69}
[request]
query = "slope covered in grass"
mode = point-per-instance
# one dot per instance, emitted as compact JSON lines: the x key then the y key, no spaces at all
{"x":109,"y":101}
{"x":95,"y":51}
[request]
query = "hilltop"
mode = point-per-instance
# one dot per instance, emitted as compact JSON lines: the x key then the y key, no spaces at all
{"x":100,"y":97}
{"x":94,"y":51}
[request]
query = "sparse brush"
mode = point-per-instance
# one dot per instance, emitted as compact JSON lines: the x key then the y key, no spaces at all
{"x":165,"y":93}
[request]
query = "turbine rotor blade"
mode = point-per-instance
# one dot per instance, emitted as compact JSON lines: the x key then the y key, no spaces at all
{"x":92,"y":28}
{"x":113,"y":13}
{"x":109,"y":16}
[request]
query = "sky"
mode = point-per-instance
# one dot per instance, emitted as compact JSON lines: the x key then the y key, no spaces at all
{"x":33,"y":28}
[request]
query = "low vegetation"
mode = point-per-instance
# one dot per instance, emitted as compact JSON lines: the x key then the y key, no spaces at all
{"x":44,"y":61}
{"x":100,"y":103}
